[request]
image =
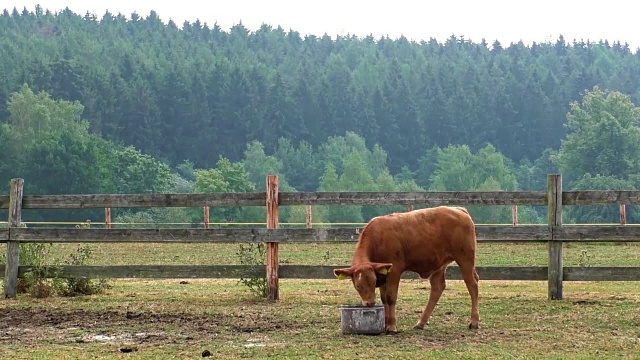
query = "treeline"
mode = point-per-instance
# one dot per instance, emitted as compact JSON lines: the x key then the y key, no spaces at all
{"x":199,"y":92}
{"x":118,"y":105}
{"x":49,"y":145}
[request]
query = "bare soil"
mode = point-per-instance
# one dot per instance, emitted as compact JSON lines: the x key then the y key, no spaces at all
{"x":157,"y":319}
{"x":19,"y":326}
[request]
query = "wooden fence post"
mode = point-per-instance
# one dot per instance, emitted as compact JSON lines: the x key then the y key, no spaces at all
{"x":554,"y":208}
{"x":309,"y":216}
{"x":410,"y":207}
{"x":514,"y":215}
{"x":13,"y":247}
{"x":206,"y":217}
{"x":623,"y":214}
{"x":107,"y":218}
{"x":272,"y":247}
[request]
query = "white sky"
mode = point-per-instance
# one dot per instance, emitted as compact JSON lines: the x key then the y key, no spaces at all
{"x":505,"y":20}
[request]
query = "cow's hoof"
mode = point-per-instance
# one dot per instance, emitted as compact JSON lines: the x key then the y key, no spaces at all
{"x":391,"y":332}
{"x":418,"y":327}
{"x":473,"y":327}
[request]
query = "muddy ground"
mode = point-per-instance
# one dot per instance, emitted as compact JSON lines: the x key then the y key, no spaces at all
{"x":37,"y":325}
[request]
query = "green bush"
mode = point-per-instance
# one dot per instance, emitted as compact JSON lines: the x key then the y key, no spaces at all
{"x":39,"y":284}
{"x":253,"y":254}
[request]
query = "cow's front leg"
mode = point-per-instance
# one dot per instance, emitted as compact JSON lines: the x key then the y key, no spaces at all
{"x":390,"y":297}
{"x":383,"y":298}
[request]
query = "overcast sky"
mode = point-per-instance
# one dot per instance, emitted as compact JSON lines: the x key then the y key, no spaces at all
{"x":505,"y":20}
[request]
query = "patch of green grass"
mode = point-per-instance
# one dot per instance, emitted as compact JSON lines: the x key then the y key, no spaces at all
{"x":166,"y":319}
{"x":489,"y":254}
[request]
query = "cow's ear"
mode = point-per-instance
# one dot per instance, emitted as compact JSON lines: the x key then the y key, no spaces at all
{"x":383,"y":269}
{"x":343,"y":273}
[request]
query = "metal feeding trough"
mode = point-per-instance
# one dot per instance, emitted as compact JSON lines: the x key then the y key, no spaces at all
{"x":362,"y":320}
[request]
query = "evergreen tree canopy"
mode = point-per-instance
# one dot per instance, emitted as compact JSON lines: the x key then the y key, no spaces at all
{"x":109,"y":103}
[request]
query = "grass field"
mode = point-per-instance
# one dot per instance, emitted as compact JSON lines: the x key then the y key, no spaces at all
{"x":181,"y":319}
{"x":489,"y":254}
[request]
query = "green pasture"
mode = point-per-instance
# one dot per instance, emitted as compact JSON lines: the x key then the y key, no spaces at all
{"x":489,"y":254}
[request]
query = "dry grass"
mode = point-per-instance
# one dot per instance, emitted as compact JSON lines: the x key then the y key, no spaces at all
{"x":170,"y":319}
{"x":166,"y":319}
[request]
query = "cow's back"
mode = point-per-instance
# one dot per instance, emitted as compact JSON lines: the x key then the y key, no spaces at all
{"x":421,"y":240}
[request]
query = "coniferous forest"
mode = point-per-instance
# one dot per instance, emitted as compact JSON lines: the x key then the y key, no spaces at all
{"x":128,"y":103}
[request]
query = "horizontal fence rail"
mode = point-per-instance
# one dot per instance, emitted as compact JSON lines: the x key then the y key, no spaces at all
{"x":600,"y":197}
{"x":485,"y":233}
{"x":415,"y":198}
{"x":285,"y":198}
{"x":596,"y":233}
{"x":317,"y":272}
{"x":532,"y":198}
{"x":137,"y":200}
{"x":554,"y":233}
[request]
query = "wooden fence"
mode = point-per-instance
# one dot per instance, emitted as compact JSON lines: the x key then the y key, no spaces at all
{"x":554,"y":233}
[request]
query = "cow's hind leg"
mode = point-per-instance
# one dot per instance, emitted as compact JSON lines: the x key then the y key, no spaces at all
{"x":471,"y":279}
{"x":438,"y":284}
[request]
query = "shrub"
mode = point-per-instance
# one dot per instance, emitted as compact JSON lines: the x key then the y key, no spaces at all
{"x":253,"y":254}
{"x":40,"y":284}
{"x":81,"y":286}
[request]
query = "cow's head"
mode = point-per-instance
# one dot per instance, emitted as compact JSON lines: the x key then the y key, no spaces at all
{"x":365,"y":279}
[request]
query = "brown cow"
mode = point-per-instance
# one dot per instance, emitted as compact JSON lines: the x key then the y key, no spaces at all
{"x":424,"y":241}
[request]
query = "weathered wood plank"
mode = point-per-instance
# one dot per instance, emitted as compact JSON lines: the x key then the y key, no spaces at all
{"x":597,"y":233}
{"x":286,"y":198}
{"x":502,"y":233}
{"x":13,"y":247}
{"x":107,"y":218}
{"x":533,"y":273}
{"x":585,"y":197}
{"x":207,"y":217}
{"x":142,"y":200}
{"x":414,"y":198}
{"x":4,"y":201}
{"x":4,"y":235}
{"x":235,"y":271}
{"x":149,"y":271}
{"x":309,"y":216}
{"x":69,"y":235}
{"x":273,"y":222}
{"x":485,"y":233}
{"x":453,"y":272}
{"x":524,"y":273}
{"x":593,"y":197}
{"x":554,"y":211}
{"x":612,"y":273}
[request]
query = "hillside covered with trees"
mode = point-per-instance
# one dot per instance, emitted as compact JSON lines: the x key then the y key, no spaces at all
{"x":114,"y":103}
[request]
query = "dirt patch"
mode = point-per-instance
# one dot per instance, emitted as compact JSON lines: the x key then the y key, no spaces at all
{"x":586,"y":302}
{"x":27,"y":326}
